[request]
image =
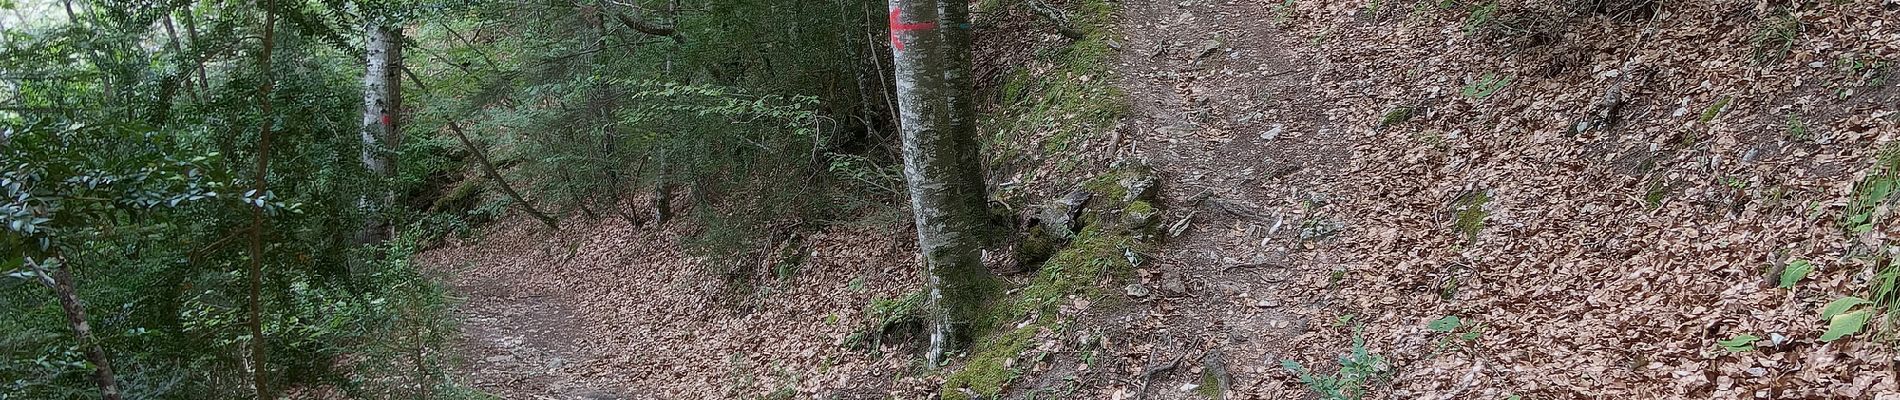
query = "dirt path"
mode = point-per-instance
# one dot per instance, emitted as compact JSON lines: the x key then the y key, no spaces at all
{"x":1225,"y":111}
{"x":523,"y":340}
{"x":607,"y":310}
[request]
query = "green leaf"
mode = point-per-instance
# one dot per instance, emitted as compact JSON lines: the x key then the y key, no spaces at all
{"x":1739,"y":343}
{"x":1796,"y":270}
{"x":1292,"y":366}
{"x":1841,"y":305}
{"x":1447,"y":324}
{"x":1846,"y":324}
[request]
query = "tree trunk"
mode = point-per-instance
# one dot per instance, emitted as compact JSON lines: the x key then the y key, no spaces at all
{"x":61,"y":282}
{"x":382,"y":131}
{"x":260,"y":361}
{"x":191,"y":33}
{"x":930,"y":40}
{"x":488,"y":169}
{"x":662,"y":191}
{"x":178,"y":52}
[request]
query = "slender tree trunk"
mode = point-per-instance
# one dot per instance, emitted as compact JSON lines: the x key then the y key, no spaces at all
{"x":71,"y":18}
{"x":260,"y":361}
{"x":488,"y":168}
{"x":60,"y":280}
{"x":382,"y":130}
{"x":662,"y":191}
{"x":930,"y":40}
{"x":178,"y":53}
{"x":191,"y":33}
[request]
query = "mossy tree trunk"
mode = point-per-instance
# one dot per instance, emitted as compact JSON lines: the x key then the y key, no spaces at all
{"x":382,"y":129}
{"x":930,"y":41}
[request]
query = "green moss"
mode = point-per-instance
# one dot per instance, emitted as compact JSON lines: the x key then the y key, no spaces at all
{"x":1075,"y":270}
{"x":1111,"y":188}
{"x":1210,"y":385}
{"x":892,"y":311}
{"x":1037,"y":245}
{"x":988,"y":371}
{"x":1140,"y":208}
{"x":1139,"y":216}
{"x":1468,"y":213}
{"x":1073,"y":97}
{"x":1106,"y":188}
{"x":967,"y":295}
{"x":461,"y":198}
{"x":1016,"y":87}
{"x":1396,"y":116}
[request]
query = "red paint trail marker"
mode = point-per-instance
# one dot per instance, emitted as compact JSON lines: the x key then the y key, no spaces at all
{"x":898,"y":26}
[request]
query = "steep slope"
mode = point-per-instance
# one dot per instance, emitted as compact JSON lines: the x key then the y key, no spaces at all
{"x":1598,"y":191}
{"x":1540,"y":199}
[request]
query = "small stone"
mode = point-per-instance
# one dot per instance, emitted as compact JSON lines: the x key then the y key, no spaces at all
{"x":1273,"y":132}
{"x":1267,"y":303}
{"x":1758,"y":371}
{"x":1175,"y":130}
{"x":1136,"y":290}
{"x":1189,"y":387}
{"x":599,"y":395}
{"x":1278,"y":324}
{"x":499,"y":359}
{"x":1207,"y":47}
{"x":1172,"y":283}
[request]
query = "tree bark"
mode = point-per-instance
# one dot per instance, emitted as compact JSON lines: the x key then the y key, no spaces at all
{"x":61,"y":282}
{"x":930,"y":41}
{"x":662,"y":191}
{"x":191,"y":33}
{"x":172,"y":43}
{"x":382,"y":129}
{"x":488,"y":168}
{"x":260,"y":361}
{"x":642,"y":26}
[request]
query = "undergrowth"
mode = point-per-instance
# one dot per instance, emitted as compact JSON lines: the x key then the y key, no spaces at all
{"x":1095,"y":256}
{"x":1849,"y":315}
{"x":1358,"y":373}
{"x":1065,"y":96}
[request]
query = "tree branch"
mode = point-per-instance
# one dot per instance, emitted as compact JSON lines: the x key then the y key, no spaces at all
{"x":488,"y":168}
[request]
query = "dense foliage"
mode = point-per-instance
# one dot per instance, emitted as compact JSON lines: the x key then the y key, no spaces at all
{"x":131,"y":139}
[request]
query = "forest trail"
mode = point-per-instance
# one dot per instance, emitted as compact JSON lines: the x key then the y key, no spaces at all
{"x":605,"y":309}
{"x":1225,"y":107}
{"x":1495,"y":205}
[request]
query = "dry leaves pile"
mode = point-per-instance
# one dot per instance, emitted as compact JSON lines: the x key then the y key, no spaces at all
{"x":1643,"y":183}
{"x":611,"y":310}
